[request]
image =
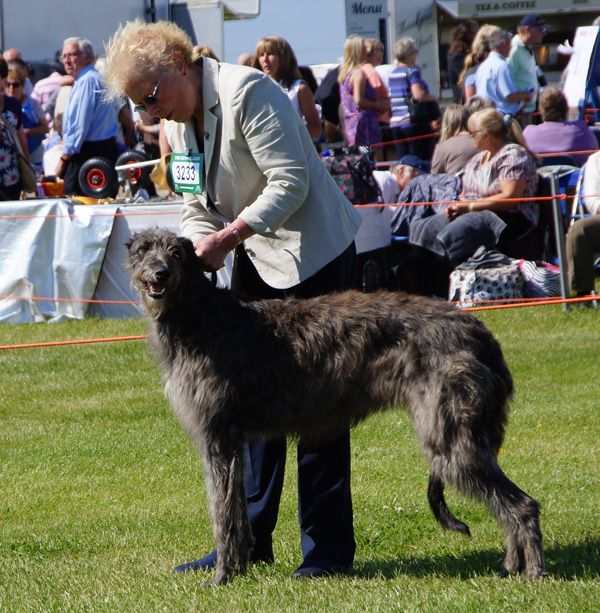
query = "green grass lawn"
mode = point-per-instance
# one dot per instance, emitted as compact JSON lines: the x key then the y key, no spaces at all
{"x":101,"y":493}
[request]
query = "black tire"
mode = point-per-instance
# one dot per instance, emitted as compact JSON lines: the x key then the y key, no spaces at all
{"x":137,"y":177}
{"x":98,"y":178}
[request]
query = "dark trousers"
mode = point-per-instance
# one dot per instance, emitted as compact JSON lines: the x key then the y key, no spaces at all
{"x":324,"y":499}
{"x":421,"y":147}
{"x":90,"y":149}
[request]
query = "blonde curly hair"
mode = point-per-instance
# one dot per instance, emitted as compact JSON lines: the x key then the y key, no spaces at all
{"x":142,"y":48}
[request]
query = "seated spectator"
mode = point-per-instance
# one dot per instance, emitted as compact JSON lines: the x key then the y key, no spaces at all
{"x":556,"y":134}
{"x":419,"y":186}
{"x":476,"y":103}
{"x":455,"y":147}
{"x":488,"y":211}
{"x":35,"y":125}
{"x":591,"y":184}
{"x":583,"y":243}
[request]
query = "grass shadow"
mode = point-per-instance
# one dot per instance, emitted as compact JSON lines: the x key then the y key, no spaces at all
{"x":570,"y":562}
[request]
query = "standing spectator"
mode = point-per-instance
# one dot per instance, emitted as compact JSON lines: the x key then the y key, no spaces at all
{"x":35,"y":125}
{"x":455,"y":147}
{"x":44,"y":88}
{"x":275,"y":57}
{"x":90,"y":123}
{"x":14,"y":55}
{"x":245,"y":59}
{"x":327,"y":96}
{"x":374,"y":50}
{"x":480,"y":49}
{"x":494,"y":79}
{"x":10,"y":110}
{"x":406,"y":80}
{"x":359,"y":100}
{"x":556,"y":134}
{"x":461,"y":39}
{"x":521,"y":60}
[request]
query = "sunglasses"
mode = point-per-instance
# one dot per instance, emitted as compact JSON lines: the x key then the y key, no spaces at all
{"x":149,"y":100}
{"x":14,"y":85}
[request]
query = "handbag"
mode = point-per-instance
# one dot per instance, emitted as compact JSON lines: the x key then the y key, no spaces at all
{"x":421,"y":111}
{"x":471,"y":287}
{"x":352,"y":170}
{"x":26,"y":170}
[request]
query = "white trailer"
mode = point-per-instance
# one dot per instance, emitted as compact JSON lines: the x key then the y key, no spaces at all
{"x":38,"y":27}
{"x":429,"y":22}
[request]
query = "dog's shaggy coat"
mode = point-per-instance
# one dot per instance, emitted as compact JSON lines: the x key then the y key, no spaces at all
{"x":240,"y":368}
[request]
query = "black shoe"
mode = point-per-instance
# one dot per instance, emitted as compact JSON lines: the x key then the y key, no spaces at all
{"x":206,"y":563}
{"x":310,"y":570}
{"x":210,"y":561}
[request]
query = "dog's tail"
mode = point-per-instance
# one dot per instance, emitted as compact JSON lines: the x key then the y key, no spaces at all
{"x":437,"y":502}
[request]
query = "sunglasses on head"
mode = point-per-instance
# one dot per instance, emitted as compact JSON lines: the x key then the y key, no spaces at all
{"x":149,"y":100}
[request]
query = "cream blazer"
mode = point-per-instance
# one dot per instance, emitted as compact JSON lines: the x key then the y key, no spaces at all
{"x":262,"y":166}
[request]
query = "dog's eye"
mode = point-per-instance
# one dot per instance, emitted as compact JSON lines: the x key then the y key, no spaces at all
{"x":176,"y":254}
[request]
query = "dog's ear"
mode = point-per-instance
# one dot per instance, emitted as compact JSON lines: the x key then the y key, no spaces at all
{"x":191,"y":259}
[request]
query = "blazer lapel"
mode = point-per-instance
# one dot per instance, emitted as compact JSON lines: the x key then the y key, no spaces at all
{"x":210,"y":99}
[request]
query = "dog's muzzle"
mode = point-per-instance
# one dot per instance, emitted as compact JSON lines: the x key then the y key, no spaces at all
{"x":155,"y":288}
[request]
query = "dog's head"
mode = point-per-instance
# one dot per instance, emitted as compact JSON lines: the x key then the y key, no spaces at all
{"x":158,"y":260}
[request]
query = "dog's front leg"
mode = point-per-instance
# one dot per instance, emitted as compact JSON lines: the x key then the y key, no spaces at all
{"x":224,"y":469}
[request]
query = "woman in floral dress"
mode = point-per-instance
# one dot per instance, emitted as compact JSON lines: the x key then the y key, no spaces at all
{"x":358,"y":97}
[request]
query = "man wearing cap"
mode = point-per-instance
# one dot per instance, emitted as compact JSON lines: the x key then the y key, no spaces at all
{"x":521,"y":61}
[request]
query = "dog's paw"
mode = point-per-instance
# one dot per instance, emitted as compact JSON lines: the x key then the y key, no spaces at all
{"x":218,"y":579}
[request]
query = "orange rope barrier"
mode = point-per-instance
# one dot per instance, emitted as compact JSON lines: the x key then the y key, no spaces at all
{"x":524,"y":302}
{"x":77,"y":342}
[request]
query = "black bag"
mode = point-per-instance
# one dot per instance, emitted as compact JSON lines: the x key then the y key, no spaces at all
{"x":352,"y":170}
{"x":422,"y":112}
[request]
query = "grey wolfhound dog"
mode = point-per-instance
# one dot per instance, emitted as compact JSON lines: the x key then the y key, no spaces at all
{"x":238,"y":368}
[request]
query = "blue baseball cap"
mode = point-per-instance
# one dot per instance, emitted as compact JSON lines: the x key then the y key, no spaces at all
{"x":415,"y":161}
{"x":534,"y":20}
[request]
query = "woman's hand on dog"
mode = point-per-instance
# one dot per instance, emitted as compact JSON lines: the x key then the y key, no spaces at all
{"x":213,"y":249}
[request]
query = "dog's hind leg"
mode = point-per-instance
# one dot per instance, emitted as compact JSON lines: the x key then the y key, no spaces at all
{"x":437,"y":502}
{"x":224,"y":470}
{"x":476,"y":473}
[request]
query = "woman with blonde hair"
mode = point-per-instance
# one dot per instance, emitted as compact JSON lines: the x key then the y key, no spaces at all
{"x":480,"y":49}
{"x":455,"y":147}
{"x":359,"y":100}
{"x":275,"y":57}
{"x":494,"y":207}
{"x":265,"y":195}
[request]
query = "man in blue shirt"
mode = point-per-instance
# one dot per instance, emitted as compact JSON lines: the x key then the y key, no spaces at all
{"x":494,"y":79}
{"x":90,"y":122}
